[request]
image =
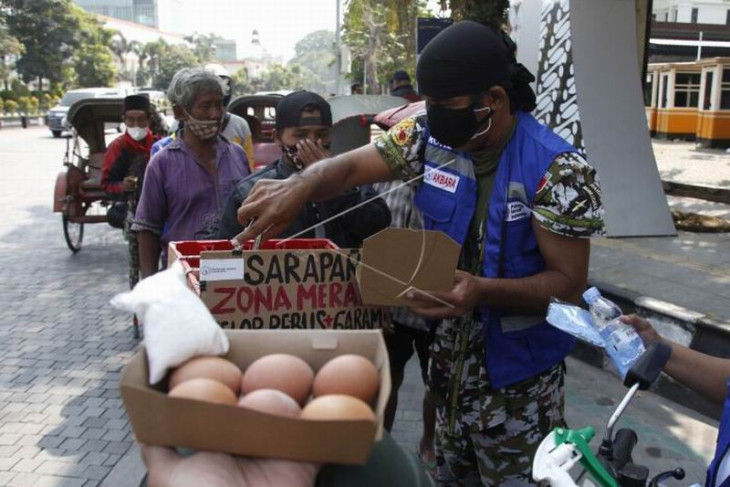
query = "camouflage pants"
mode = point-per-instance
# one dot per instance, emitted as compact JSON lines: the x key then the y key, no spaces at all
{"x":485,"y":436}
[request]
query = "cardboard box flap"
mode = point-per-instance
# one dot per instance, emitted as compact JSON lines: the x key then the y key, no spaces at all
{"x":158,"y":419}
{"x":395,"y":260}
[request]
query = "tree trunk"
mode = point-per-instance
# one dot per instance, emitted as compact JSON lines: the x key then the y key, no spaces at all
{"x":371,"y":60}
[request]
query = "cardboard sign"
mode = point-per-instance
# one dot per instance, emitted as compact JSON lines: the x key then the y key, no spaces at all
{"x":396,"y":261}
{"x":291,"y":288}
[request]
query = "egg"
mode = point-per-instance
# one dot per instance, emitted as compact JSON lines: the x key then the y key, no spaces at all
{"x":337,"y":407}
{"x":204,"y":390}
{"x":349,"y":374}
{"x":283,"y":372}
{"x":270,"y":401}
{"x":215,"y":368}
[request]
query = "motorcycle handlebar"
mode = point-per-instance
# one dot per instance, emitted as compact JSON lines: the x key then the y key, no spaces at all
{"x":623,"y":446}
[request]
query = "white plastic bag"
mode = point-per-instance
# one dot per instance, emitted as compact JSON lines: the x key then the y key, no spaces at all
{"x":178,"y":326}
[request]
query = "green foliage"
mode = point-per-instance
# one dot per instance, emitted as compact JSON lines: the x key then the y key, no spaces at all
{"x":10,"y":47}
{"x":203,"y":46}
{"x":19,"y":88}
{"x":61,"y":42}
{"x":94,"y":65}
{"x":33,"y":105}
{"x":11,"y":107}
{"x":7,"y":95}
{"x":2,"y":105}
{"x":380,"y":36}
{"x":488,"y":12}
{"x":48,"y":29}
{"x":176,"y":58}
{"x":23,"y":104}
{"x":316,"y":54}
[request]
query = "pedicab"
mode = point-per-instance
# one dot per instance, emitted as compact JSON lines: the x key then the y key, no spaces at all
{"x":260,"y":113}
{"x":78,"y":194}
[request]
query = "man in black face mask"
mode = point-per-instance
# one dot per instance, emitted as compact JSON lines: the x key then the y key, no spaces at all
{"x":521,"y":202}
{"x":303,"y":128}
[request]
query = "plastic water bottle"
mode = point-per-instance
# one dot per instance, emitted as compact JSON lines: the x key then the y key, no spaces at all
{"x":621,"y":341}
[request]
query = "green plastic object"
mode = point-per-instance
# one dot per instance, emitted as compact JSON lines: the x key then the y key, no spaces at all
{"x":580,"y":439}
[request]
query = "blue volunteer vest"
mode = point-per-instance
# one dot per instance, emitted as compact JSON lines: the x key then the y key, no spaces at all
{"x":723,"y":445}
{"x":516,"y":347}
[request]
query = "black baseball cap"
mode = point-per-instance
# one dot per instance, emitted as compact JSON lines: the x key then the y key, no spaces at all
{"x":290,"y":108}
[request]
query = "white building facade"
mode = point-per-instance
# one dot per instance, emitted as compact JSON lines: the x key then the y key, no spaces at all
{"x":692,"y":12}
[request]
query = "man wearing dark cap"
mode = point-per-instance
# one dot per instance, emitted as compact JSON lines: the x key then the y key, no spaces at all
{"x":400,"y":85}
{"x":124,"y":164}
{"x":303,"y":128}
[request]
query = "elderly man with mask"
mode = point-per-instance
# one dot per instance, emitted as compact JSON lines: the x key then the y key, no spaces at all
{"x":187,"y":184}
{"x":124,"y":165}
{"x":521,"y":202}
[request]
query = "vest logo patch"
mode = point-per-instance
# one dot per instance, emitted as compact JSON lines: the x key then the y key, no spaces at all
{"x":441,"y":179}
{"x":517,"y":210}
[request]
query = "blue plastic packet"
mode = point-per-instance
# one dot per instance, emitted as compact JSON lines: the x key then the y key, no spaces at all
{"x":623,"y":350}
{"x":574,"y":320}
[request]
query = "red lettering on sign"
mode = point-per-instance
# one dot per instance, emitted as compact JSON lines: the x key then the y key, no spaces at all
{"x":335,"y":290}
{"x":306,"y":296}
{"x":281,"y":301}
{"x":352,"y":297}
{"x":249,"y":299}
{"x":321,"y":295}
{"x":220,"y":308}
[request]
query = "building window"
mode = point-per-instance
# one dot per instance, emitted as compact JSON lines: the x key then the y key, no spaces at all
{"x":695,"y":13}
{"x":674,"y":15}
{"x":727,"y":17}
{"x":648,"y":85}
{"x":687,"y":90}
{"x":707,"y":95}
{"x":725,"y":95}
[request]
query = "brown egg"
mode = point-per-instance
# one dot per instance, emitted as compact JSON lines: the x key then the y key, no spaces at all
{"x":204,"y":390}
{"x":270,"y":401}
{"x":283,"y":372}
{"x":216,"y":368}
{"x":337,"y":407}
{"x":352,"y":375}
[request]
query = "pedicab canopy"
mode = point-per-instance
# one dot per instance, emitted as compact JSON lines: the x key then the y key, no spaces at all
{"x":352,"y":116}
{"x":88,"y":118}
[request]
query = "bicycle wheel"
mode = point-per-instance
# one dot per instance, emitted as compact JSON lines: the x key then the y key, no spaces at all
{"x":73,"y":233}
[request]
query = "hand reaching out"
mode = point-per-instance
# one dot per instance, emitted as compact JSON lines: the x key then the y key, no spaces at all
{"x":169,"y":469}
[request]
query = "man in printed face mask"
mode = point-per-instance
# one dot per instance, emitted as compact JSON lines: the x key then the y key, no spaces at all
{"x":187,"y":184}
{"x":303,"y":128}
{"x":520,"y":201}
{"x":125,"y":162}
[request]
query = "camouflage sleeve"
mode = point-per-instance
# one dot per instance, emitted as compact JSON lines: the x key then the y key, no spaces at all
{"x":568,"y":198}
{"x":400,"y":147}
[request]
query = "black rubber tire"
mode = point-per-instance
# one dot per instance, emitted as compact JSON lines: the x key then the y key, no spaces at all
{"x":73,"y":233}
{"x":56,"y":134}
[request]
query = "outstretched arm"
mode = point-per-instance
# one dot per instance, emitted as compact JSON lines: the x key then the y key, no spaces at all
{"x":704,"y":373}
{"x":274,"y":204}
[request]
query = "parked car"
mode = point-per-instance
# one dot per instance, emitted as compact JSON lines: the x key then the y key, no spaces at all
{"x":57,"y":115}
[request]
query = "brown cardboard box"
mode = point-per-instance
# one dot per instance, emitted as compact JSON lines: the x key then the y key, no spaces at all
{"x":297,"y":284}
{"x":396,"y":260}
{"x":161,"y":420}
